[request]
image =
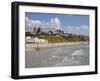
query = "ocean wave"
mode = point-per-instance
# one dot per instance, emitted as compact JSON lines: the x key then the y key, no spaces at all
{"x":63,"y":62}
{"x":77,"y":52}
{"x":57,"y":51}
{"x":87,"y":46}
{"x":67,"y":61}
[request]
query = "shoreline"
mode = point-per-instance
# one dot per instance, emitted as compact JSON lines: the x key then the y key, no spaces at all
{"x":33,"y":47}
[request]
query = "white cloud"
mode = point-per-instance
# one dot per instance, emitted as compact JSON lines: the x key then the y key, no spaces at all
{"x":55,"y":24}
{"x":32,"y":23}
{"x":82,"y":30}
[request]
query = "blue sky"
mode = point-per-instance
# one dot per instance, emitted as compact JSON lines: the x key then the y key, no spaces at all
{"x":66,"y":21}
{"x":74,"y":20}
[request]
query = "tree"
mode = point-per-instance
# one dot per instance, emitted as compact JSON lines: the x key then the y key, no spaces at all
{"x":60,"y":31}
{"x":34,"y":29}
{"x":51,"y":32}
{"x":29,"y":33}
{"x":38,"y":30}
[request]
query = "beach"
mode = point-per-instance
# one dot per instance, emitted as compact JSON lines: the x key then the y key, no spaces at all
{"x":33,"y":47}
{"x":57,"y":54}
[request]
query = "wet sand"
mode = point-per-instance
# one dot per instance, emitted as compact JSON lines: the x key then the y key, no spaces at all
{"x":33,"y":47}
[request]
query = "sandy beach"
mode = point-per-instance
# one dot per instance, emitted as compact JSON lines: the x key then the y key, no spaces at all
{"x":33,"y":47}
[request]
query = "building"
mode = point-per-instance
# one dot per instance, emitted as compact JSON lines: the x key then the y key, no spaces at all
{"x":36,"y":40}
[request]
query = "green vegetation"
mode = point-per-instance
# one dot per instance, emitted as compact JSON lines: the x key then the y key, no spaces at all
{"x":58,"y":37}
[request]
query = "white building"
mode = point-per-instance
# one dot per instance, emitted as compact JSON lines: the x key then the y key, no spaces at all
{"x":36,"y":40}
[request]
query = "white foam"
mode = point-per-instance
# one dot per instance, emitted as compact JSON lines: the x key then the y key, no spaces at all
{"x":54,"y":56}
{"x":87,"y":46}
{"x":77,"y":52}
{"x":65,"y":59}
{"x":63,"y":62}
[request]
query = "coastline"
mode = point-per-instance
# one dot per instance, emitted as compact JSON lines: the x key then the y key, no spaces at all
{"x":33,"y":47}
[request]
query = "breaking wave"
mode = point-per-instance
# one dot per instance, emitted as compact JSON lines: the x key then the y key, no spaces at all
{"x":77,"y":52}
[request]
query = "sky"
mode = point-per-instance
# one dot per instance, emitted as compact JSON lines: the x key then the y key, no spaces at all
{"x":76,"y":24}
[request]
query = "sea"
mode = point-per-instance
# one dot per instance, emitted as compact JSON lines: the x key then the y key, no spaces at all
{"x":72,"y":55}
